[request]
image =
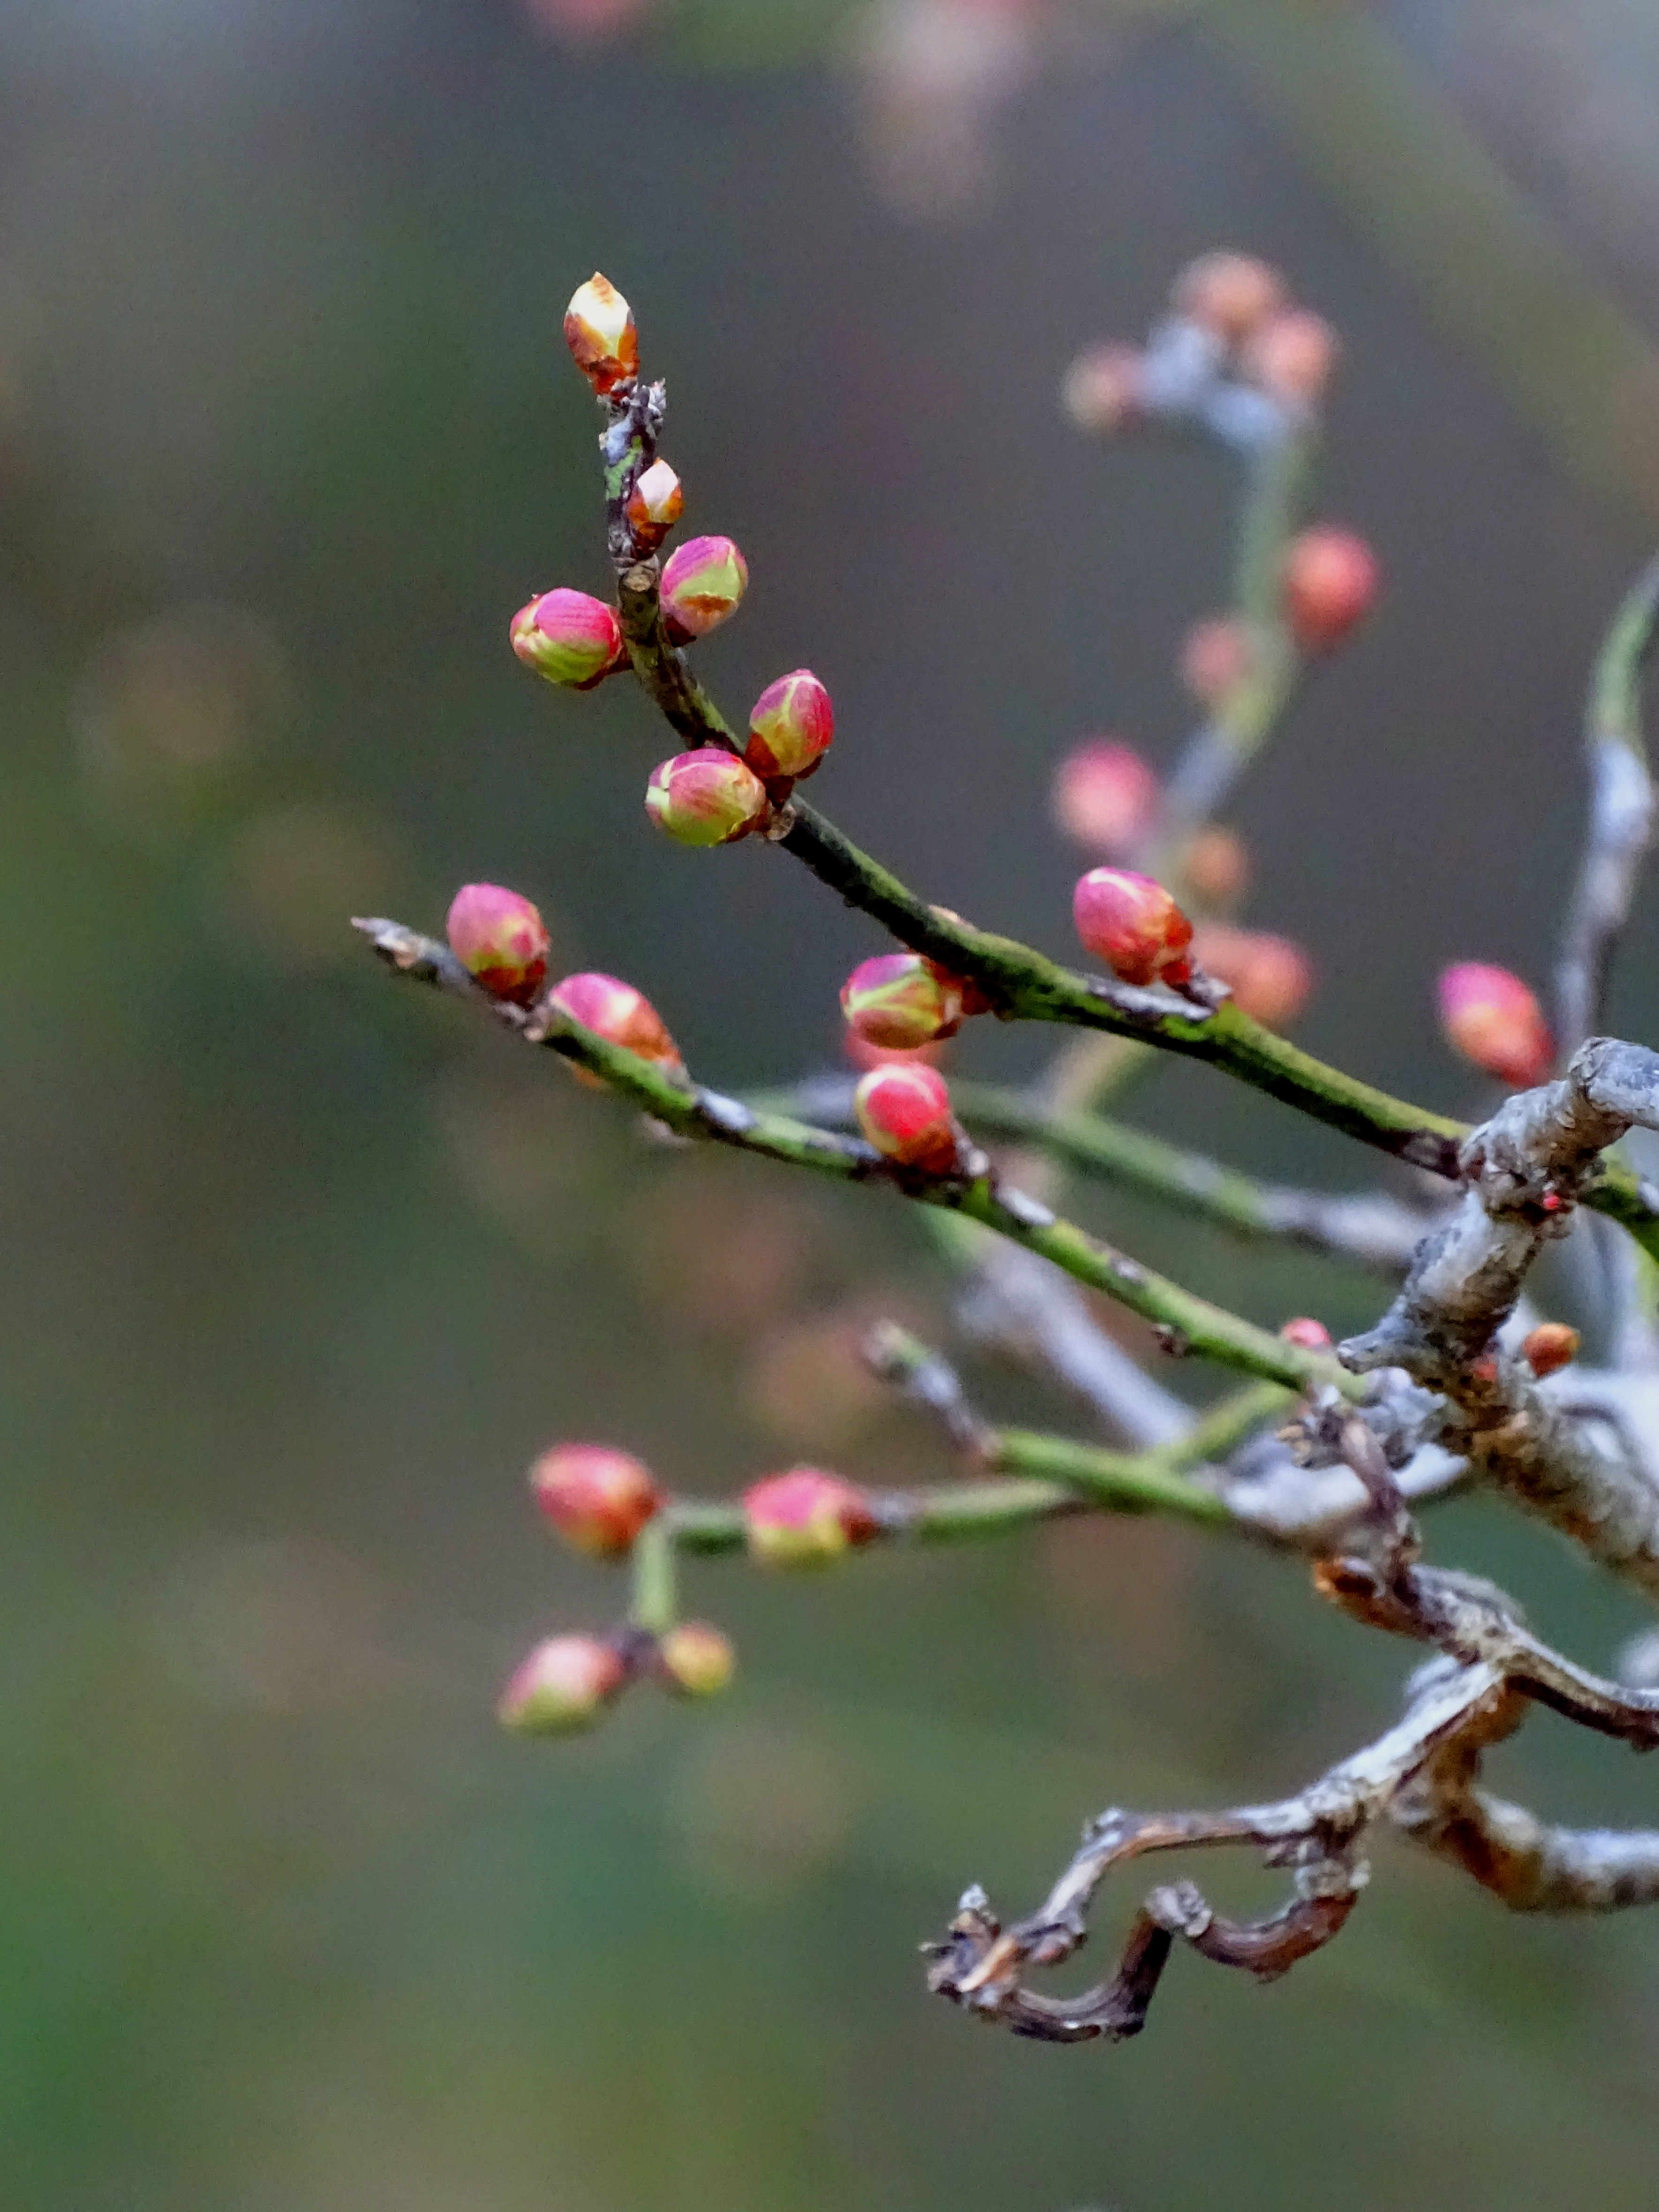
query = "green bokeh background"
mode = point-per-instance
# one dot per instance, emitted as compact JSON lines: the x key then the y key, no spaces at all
{"x":302,"y":1269}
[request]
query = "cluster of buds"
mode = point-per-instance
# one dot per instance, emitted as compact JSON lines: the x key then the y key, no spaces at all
{"x":500,"y":939}
{"x":566,"y":1682}
{"x":620,"y":1014}
{"x":1491,"y":1018}
{"x":1132,"y":923}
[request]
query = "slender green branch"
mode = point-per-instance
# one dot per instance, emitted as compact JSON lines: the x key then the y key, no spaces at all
{"x":1190,"y":1323}
{"x":1216,"y":1435}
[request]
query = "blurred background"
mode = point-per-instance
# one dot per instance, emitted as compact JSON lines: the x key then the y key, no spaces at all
{"x":303,"y":1269}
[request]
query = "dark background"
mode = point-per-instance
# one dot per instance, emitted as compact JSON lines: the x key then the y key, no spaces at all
{"x":302,"y":1268}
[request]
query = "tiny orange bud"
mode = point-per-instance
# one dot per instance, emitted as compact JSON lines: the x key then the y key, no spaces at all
{"x":790,"y":727}
{"x":564,"y":1683}
{"x":708,"y":797}
{"x":1103,"y":390}
{"x":900,"y":1001}
{"x":1105,"y":795}
{"x":1312,"y":1335}
{"x":1549,"y":1348}
{"x":1331,"y":581}
{"x":806,"y":1518}
{"x":654,"y":505}
{"x":904,"y":1110}
{"x":622,"y":1015}
{"x":598,"y":1499}
{"x":1493,"y":1019}
{"x":1271,"y":979}
{"x":695,"y":1658}
{"x":1230,"y":294}
{"x":1132,"y":923}
{"x":1217,"y":866}
{"x":501,"y":938}
{"x":704,"y":581}
{"x":1291,"y":357}
{"x":1215,"y":659}
{"x":599,"y":330}
{"x":569,"y":637}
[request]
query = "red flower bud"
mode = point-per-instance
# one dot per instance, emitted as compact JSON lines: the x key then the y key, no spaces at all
{"x":790,"y":727}
{"x":900,"y":1001}
{"x":1331,"y":581}
{"x":1217,"y":866}
{"x":620,"y":1014}
{"x":1230,"y":294}
{"x":1549,"y":1348}
{"x":654,"y":505}
{"x":703,"y":582}
{"x":706,"y":797}
{"x":1491,"y":1017}
{"x":599,"y":330}
{"x":806,"y":1518}
{"x":1270,"y":979}
{"x":904,"y":1110}
{"x":1105,"y":796}
{"x":1215,"y":659}
{"x":696,"y":1658}
{"x":1133,"y":925}
{"x":1291,"y":356}
{"x":564,"y":1683}
{"x":598,"y":1499}
{"x":1102,"y":388}
{"x":569,"y":638}
{"x":1312,"y":1335}
{"x":499,"y":937}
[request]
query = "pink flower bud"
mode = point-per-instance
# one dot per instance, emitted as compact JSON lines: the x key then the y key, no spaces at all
{"x":564,"y":1683}
{"x":499,"y":937}
{"x":1215,"y":659}
{"x":1271,"y":979}
{"x":1230,"y":294}
{"x":708,"y":797}
{"x":1217,"y":866}
{"x":704,"y":580}
{"x":806,"y":1518}
{"x":654,"y":505}
{"x":1549,"y":1348}
{"x":569,"y":638}
{"x":1312,"y":1335}
{"x":1102,"y":392}
{"x":790,"y":727}
{"x":898,"y":1001}
{"x":1491,"y":1017}
{"x":599,"y":330}
{"x":1291,"y":357}
{"x":1132,"y":924}
{"x":904,"y":1110}
{"x":598,"y":1499}
{"x":1331,"y":579}
{"x":696,"y":1658}
{"x":622,"y":1015}
{"x":1105,"y":796}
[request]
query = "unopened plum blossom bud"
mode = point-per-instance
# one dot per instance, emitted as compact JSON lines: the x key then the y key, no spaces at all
{"x":708,"y":797}
{"x":599,"y":330}
{"x":1215,"y":657}
{"x":1331,"y":579}
{"x":569,"y":637}
{"x":695,"y":1657}
{"x":1105,"y":795}
{"x":1217,"y":866}
{"x":1104,"y":388}
{"x":1491,"y":1017}
{"x":806,"y":1518}
{"x":790,"y":727}
{"x":1549,"y":1348}
{"x":1271,"y":979}
{"x":565,"y":1684}
{"x":704,"y":581}
{"x":900,"y":1001}
{"x":597,"y":1498}
{"x":904,"y":1110}
{"x":499,"y":936}
{"x":1231,"y":293}
{"x":1312,"y":1335}
{"x":622,"y":1015}
{"x":654,"y":505}
{"x":1131,"y":922}
{"x":1291,"y":357}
